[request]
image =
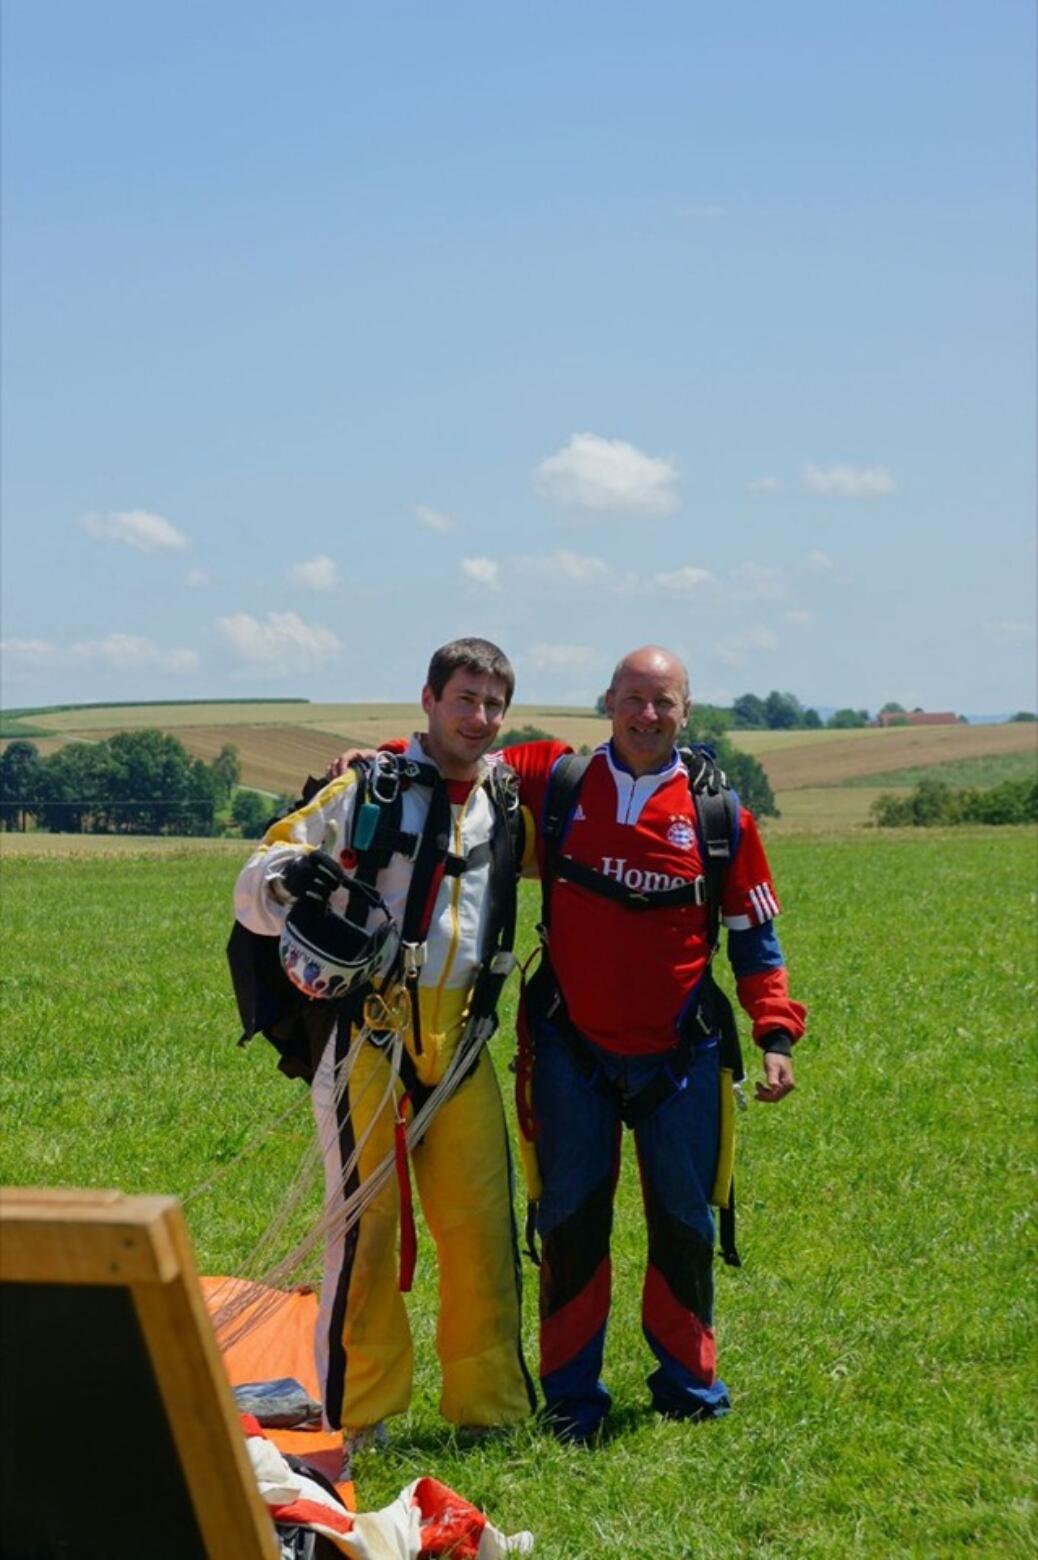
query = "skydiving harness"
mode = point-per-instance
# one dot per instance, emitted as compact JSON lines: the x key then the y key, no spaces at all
{"x":711,"y":1012}
{"x":299,"y":1027}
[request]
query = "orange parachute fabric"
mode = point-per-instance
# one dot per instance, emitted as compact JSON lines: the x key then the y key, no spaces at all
{"x":279,"y":1341}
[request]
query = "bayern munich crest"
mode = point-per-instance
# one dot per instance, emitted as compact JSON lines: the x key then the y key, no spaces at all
{"x":681,"y":833}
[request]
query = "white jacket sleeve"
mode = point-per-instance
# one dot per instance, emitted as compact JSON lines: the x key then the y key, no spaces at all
{"x":259,"y":903}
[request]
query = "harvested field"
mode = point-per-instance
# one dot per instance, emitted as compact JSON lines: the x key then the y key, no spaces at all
{"x":369,"y":723}
{"x":43,"y":745}
{"x":830,"y":758}
{"x":273,"y":758}
{"x":169,"y":717}
{"x":279,"y":743}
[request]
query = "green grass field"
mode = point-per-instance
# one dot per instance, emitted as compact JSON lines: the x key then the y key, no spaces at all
{"x":878,"y":1342}
{"x":983,"y":771}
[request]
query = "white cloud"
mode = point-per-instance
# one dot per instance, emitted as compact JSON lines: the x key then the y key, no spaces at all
{"x":841,"y":481}
{"x":482,"y":571}
{"x":30,"y":652}
{"x":120,"y":652}
{"x":764,"y":485}
{"x":198,"y":579}
{"x":684,"y":580}
{"x":574,"y":569}
{"x":798,"y":617}
{"x":607,"y":475}
{"x":818,"y":562}
{"x":761,"y":582}
{"x":434,"y":519}
{"x":136,"y":528}
{"x":318,"y":574}
{"x":737,"y":647}
{"x":132,"y":652}
{"x":282,"y":642}
{"x":561,"y":658}
{"x":1006,"y":628}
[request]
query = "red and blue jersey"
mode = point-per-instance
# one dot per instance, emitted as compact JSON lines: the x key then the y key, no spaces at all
{"x":628,"y":977}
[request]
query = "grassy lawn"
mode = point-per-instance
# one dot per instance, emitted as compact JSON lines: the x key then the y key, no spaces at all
{"x":878,"y":1342}
{"x":982,"y":771}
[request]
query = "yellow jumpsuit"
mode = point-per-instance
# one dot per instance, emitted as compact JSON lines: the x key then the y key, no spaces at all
{"x":461,"y":1167}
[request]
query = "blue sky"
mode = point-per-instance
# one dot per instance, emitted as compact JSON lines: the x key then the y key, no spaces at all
{"x":334,"y":331}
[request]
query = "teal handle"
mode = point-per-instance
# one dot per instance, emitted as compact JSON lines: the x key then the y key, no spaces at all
{"x":367,"y":823}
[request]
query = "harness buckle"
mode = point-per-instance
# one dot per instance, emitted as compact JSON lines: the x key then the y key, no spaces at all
{"x":414,"y":954}
{"x":739,"y":1090}
{"x":503,"y":962}
{"x":699,"y":886}
{"x":385,"y":778}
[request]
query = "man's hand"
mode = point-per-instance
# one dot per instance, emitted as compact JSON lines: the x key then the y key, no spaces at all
{"x":778,"y":1073}
{"x":339,"y":766}
{"x":313,"y":876}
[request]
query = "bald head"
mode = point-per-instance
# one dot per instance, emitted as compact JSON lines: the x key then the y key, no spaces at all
{"x":652,"y":660}
{"x":647,"y":702}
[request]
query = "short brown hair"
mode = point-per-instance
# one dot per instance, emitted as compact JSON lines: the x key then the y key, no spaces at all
{"x":471,"y":655}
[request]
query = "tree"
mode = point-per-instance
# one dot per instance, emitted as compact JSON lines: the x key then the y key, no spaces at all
{"x":1027,"y":715}
{"x":136,"y":780}
{"x":892,"y":707}
{"x":251,"y":812}
{"x":151,"y":771}
{"x":812,"y":720}
{"x":846,"y":720}
{"x":782,"y":711}
{"x":21,"y":780}
{"x":745,"y":772}
{"x":76,"y":784}
{"x":226,"y":771}
{"x":518,"y":734}
{"x":748,"y":710}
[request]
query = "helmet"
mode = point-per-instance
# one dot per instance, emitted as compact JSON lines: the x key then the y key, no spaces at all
{"x":326,"y":955}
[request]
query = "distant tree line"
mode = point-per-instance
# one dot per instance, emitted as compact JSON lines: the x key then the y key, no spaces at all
{"x":933,"y":803}
{"x":136,"y":782}
{"x":777,"y":712}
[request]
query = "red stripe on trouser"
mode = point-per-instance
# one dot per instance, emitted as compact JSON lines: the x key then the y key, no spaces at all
{"x":680,"y":1332}
{"x":565,"y":1332}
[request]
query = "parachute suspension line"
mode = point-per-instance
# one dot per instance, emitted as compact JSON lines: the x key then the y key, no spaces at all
{"x":250,"y":1148}
{"x":246,"y":1304}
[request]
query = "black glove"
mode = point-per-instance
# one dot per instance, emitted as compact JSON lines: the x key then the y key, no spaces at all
{"x":778,"y":1041}
{"x":314,"y":876}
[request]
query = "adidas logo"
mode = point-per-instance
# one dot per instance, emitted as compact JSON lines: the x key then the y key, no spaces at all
{"x":580,"y":816}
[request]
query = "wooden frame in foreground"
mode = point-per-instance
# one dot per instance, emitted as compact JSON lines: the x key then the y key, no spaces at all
{"x":118,"y":1429}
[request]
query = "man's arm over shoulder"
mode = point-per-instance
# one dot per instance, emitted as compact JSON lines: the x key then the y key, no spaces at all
{"x":533,"y":763}
{"x":260,"y":901}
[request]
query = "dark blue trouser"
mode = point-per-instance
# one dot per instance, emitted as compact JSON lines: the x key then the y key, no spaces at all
{"x":578,"y":1148}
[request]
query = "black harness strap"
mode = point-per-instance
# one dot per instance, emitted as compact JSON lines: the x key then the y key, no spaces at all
{"x":692,"y":892}
{"x":478,"y":856}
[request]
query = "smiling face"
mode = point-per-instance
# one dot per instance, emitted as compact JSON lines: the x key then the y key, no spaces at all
{"x":648,"y":704}
{"x":464,"y":722}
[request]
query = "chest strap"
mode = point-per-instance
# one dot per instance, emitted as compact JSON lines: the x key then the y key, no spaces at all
{"x":691,"y":892}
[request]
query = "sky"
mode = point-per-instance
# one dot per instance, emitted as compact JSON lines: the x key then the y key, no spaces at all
{"x":332,"y":332}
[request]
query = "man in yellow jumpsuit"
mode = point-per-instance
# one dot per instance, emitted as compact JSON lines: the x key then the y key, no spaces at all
{"x":461,"y":1166}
